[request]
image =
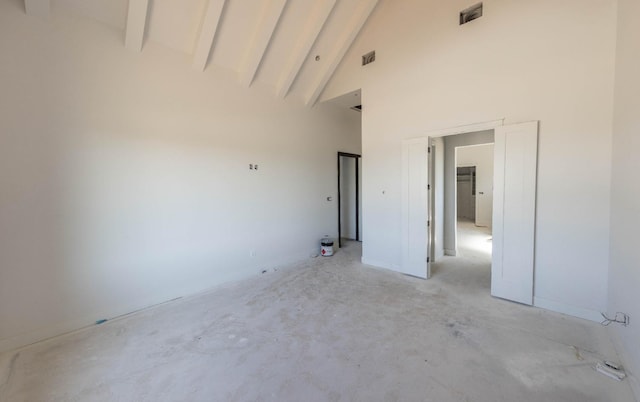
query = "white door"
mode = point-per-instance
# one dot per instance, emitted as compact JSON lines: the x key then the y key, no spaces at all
{"x":514,"y":207}
{"x":415,"y":207}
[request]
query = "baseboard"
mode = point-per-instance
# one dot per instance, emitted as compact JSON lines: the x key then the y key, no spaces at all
{"x":448,"y":251}
{"x":80,"y":324}
{"x":43,"y":334}
{"x":379,"y":264}
{"x":567,"y":309}
{"x":72,"y":326}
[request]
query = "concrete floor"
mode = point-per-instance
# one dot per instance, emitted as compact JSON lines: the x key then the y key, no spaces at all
{"x":329,"y":329}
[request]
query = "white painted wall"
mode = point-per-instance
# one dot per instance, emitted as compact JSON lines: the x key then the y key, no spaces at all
{"x":430,"y":73}
{"x":451,"y":143}
{"x":624,"y":274}
{"x":480,"y":156}
{"x":124,"y":177}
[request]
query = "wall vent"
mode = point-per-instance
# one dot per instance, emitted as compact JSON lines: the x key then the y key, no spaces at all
{"x":472,"y":13}
{"x":369,"y":58}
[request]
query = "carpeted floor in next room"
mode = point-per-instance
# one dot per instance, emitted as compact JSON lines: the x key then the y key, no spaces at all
{"x":328,"y":329}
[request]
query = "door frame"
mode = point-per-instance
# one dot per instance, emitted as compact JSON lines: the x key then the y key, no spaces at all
{"x":426,"y":137}
{"x":357,"y":160}
{"x":515,"y":145}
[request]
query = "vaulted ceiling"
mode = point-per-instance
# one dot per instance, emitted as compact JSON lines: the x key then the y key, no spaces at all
{"x":292,"y":47}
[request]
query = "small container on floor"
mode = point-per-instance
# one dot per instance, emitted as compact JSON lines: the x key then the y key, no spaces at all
{"x":326,"y":247}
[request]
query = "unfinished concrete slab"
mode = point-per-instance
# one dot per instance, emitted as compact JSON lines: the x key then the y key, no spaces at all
{"x":329,"y":329}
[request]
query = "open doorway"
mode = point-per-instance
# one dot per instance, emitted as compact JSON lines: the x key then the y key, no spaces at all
{"x":349,"y":197}
{"x":349,"y":173}
{"x":466,"y":192}
{"x":514,"y":196}
{"x":467,"y":187}
{"x":472,"y":155}
{"x":473,"y":208}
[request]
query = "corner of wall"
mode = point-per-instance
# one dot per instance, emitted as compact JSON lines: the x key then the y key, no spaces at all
{"x":632,"y":376}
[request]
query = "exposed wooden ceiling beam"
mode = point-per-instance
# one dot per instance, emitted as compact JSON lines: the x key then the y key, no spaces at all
{"x":365,"y":8}
{"x":39,"y":8}
{"x":210,"y":24}
{"x":270,"y":16}
{"x":136,"y":21}
{"x":314,"y":25}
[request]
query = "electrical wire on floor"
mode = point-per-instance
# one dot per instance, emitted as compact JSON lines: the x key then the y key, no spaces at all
{"x":620,"y":318}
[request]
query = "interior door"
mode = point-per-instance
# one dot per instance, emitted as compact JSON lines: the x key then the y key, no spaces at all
{"x":415,"y":207}
{"x":514,"y":205}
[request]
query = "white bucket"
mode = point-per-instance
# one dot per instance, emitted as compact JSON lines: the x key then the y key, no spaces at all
{"x":326,"y":247}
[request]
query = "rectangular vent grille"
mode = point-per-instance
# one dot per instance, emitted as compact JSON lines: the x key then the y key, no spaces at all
{"x":369,"y":58}
{"x":472,"y":13}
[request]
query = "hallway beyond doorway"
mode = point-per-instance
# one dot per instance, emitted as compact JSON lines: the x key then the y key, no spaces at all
{"x":474,"y":241}
{"x":471,"y":267}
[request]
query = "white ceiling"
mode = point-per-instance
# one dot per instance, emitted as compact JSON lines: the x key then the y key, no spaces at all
{"x":274,"y":42}
{"x":348,"y":100}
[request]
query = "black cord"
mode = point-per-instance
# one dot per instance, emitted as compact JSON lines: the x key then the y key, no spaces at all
{"x":607,"y":320}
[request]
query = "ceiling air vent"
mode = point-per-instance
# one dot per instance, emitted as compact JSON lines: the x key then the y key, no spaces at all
{"x":369,"y":58}
{"x":471,"y":13}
